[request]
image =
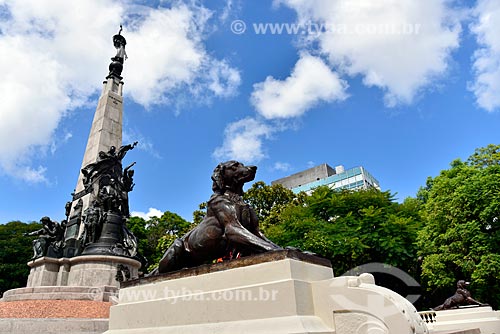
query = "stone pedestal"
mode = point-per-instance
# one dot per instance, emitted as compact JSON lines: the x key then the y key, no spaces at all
{"x":100,"y":270}
{"x":91,"y":277}
{"x":47,"y":271}
{"x":276,"y":292}
{"x":89,"y":270}
{"x":483,"y":319}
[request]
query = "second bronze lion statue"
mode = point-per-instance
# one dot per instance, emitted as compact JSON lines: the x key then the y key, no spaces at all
{"x":230,"y":224}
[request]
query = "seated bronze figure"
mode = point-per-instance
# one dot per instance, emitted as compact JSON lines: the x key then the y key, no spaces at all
{"x":230,"y":226}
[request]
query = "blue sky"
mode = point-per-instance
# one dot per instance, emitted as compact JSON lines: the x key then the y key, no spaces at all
{"x":398,"y":86}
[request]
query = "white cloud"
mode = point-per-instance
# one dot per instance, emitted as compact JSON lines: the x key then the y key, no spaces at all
{"x":144,"y":144}
{"x":282,"y":166}
{"x":147,"y":215}
{"x":310,"y":82}
{"x":311,"y":164}
{"x":399,"y":63}
{"x":228,"y":10}
{"x":34,"y":175}
{"x":223,"y":79}
{"x":167,"y":55}
{"x":243,"y":141}
{"x":30,"y":109}
{"x":59,"y":141}
{"x":54,"y":54}
{"x":486,"y":66}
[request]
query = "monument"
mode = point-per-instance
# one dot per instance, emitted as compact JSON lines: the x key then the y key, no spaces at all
{"x":261,"y":288}
{"x":101,"y":180}
{"x":92,"y":249}
{"x":461,"y":313}
{"x":258,"y":288}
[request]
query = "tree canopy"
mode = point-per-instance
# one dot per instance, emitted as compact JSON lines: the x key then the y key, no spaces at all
{"x":461,"y":236}
{"x":156,"y":234}
{"x":350,"y":228}
{"x":15,"y":252}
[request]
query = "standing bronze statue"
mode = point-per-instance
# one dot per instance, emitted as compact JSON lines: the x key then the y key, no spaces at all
{"x":116,"y":67}
{"x":230,"y":226}
{"x":461,"y":297}
{"x":127,"y":185}
{"x":92,"y":224}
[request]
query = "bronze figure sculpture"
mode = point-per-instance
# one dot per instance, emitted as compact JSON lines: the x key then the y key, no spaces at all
{"x":105,"y":219}
{"x":461,"y":297}
{"x":92,"y":224}
{"x":50,"y":235}
{"x":230,"y":226}
{"x":116,"y":67}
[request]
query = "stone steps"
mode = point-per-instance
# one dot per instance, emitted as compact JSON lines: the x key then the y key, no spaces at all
{"x":53,"y":326}
{"x":95,"y":293}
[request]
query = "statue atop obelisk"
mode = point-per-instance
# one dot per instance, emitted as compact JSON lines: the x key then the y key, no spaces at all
{"x":100,"y":192}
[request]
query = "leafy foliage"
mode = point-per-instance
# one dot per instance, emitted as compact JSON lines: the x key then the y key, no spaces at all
{"x":485,"y":156}
{"x":349,"y":228}
{"x":156,"y":234}
{"x":199,"y":215}
{"x":461,"y":237}
{"x":264,"y":199}
{"x":15,"y":252}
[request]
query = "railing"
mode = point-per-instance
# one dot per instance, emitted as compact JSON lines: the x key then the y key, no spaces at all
{"x":428,"y":316}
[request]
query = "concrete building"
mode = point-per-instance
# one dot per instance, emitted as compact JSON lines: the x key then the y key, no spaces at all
{"x":335,"y":178}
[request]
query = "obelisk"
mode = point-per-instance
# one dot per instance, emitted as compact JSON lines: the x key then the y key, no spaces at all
{"x":106,"y":131}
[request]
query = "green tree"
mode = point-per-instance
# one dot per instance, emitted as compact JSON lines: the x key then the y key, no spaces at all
{"x":199,"y":215}
{"x":138,"y":226}
{"x":156,"y":234}
{"x":351,"y":228}
{"x":269,"y":201}
{"x":264,"y":198}
{"x":15,"y":252}
{"x":461,"y":236}
{"x":166,"y":229}
{"x":485,"y":156}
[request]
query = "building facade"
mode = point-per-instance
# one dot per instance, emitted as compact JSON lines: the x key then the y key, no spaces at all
{"x":335,"y":178}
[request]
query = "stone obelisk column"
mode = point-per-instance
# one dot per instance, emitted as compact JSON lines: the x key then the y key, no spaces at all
{"x":106,"y":132}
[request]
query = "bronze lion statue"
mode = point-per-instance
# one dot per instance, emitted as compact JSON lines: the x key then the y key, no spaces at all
{"x":229,"y":227}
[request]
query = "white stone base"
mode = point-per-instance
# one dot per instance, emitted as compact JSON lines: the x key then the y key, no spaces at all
{"x":283,"y":296}
{"x":462,"y":319}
